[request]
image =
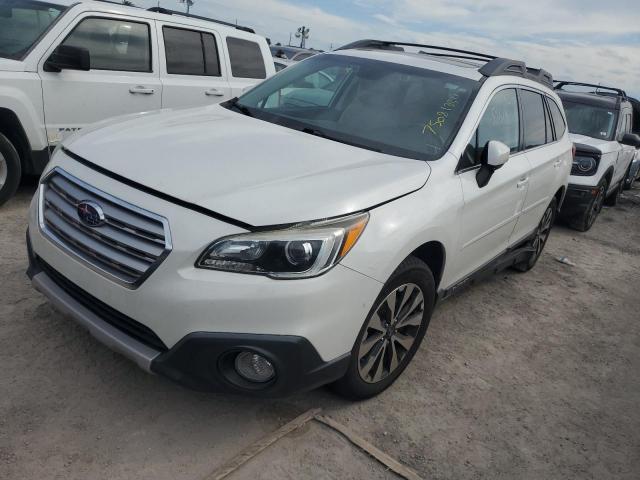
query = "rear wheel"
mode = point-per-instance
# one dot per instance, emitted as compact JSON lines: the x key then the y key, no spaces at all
{"x":585,"y":220}
{"x":392,"y":332}
{"x":540,"y":238}
{"x":10,"y":169}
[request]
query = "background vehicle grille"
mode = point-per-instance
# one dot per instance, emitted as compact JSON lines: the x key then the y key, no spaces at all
{"x":127,"y":247}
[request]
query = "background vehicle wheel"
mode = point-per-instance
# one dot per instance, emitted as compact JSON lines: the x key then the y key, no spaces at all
{"x":540,"y":238}
{"x":612,"y":200}
{"x":585,"y":220}
{"x":392,"y":332}
{"x":10,"y":169}
{"x":628,"y":181}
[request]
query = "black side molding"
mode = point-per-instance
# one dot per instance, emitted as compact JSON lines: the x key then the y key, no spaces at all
{"x":156,"y":193}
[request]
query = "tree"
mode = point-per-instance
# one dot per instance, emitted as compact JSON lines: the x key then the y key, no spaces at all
{"x":303,"y":35}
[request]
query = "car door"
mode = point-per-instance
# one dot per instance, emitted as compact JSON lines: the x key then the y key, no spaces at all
{"x":627,"y":151}
{"x":490,"y":213}
{"x":123,"y":77}
{"x":194,"y":71}
{"x":545,"y":156}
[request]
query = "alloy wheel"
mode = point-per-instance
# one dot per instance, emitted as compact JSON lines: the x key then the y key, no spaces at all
{"x":596,"y":206}
{"x":390,"y":333}
{"x":4,"y":170}
{"x":542,"y":234}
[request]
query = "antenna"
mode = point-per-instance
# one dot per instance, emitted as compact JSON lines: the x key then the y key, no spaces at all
{"x":303,"y":35}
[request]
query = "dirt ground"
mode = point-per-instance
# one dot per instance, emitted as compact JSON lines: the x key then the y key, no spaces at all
{"x":522,"y":376}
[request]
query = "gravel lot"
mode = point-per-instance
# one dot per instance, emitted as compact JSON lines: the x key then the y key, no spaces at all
{"x":523,"y":376}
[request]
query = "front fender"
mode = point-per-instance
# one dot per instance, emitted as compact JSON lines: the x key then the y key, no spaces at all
{"x":21,"y":93}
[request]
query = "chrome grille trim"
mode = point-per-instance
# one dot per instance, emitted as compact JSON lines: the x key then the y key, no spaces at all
{"x":126,"y":249}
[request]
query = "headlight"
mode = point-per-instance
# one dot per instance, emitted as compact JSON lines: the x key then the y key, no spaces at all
{"x":303,"y":251}
{"x":583,"y":165}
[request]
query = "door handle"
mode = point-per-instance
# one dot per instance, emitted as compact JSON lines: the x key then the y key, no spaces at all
{"x":522,"y":183}
{"x":142,"y":90}
{"x":213,"y":92}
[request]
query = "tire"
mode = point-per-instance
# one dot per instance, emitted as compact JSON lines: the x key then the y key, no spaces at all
{"x":381,"y":352}
{"x":612,"y":200}
{"x":540,"y":238}
{"x":10,"y":169}
{"x":585,"y":220}
{"x":628,"y":181}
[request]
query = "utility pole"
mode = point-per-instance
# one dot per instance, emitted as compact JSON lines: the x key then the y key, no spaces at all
{"x":188,"y":3}
{"x":303,"y":35}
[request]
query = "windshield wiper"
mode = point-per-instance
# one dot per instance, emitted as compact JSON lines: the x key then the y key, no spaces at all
{"x":233,"y":103}
{"x":322,"y":134}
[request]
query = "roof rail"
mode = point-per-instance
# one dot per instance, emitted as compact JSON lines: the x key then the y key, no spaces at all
{"x":167,"y":11}
{"x":493,"y":66}
{"x":563,"y":83}
{"x":397,"y":46}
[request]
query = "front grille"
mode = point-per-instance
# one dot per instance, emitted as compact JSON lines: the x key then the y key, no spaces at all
{"x":128,"y":244}
{"x":113,"y":317}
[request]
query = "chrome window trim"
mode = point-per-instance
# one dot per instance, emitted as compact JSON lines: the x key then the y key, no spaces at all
{"x":51,"y":236}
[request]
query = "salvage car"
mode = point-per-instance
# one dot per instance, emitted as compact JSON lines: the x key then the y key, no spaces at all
{"x":600,"y":123}
{"x":66,"y":64}
{"x":634,"y":169}
{"x":302,"y":240}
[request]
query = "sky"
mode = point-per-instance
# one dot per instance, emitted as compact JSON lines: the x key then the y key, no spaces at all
{"x":592,"y":41}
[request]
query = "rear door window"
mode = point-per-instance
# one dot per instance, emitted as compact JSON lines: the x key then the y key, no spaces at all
{"x":114,"y":44}
{"x":533,"y":119}
{"x":189,"y":52}
{"x":558,"y":120}
{"x":246,"y":58}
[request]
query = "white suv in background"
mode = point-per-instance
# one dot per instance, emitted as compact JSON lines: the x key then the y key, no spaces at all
{"x":64,"y":65}
{"x":600,"y":122}
{"x":300,"y":234}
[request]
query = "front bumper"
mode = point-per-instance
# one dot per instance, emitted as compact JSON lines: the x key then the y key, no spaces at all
{"x":201,"y":360}
{"x":577,"y":199}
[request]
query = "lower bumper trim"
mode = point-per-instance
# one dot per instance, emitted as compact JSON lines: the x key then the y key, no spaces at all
{"x":113,"y":338}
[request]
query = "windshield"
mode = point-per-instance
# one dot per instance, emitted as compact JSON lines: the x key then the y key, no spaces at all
{"x":22,"y":22}
{"x":590,"y":120}
{"x":381,"y":106}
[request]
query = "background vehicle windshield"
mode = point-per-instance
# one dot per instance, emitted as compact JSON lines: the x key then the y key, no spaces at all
{"x":22,"y":22}
{"x":387,"y":107}
{"x":590,"y":120}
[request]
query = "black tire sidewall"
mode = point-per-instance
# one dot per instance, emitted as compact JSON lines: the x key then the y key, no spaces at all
{"x":14,"y":169}
{"x":412,"y":270}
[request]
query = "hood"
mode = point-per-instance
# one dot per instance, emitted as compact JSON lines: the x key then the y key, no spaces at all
{"x":603,"y":146}
{"x":8,"y":65}
{"x":247,"y":169}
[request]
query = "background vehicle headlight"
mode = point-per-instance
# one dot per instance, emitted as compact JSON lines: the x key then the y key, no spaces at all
{"x":305,"y":250}
{"x":583,"y":165}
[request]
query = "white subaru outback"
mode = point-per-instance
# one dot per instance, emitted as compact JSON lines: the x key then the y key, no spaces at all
{"x":301,"y":234}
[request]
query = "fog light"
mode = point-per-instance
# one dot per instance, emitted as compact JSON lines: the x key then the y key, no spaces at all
{"x":254,"y":367}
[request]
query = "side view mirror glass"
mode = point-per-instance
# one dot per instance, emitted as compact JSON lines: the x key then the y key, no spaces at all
{"x":494,"y":156}
{"x":631,"y":139}
{"x":67,"y":57}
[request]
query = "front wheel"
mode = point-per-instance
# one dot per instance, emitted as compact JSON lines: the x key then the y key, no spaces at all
{"x":10,"y":169}
{"x":540,"y":238}
{"x":585,"y":220}
{"x":392,"y":332}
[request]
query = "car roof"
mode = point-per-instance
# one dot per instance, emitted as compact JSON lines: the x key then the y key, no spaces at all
{"x":162,"y":15}
{"x":591,"y":98}
{"x":461,"y":68}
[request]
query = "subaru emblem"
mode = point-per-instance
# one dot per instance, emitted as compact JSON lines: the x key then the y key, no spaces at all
{"x":91,"y":214}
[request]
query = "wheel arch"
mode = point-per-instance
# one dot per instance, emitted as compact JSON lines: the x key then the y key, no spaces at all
{"x":11,"y":127}
{"x":432,"y":253}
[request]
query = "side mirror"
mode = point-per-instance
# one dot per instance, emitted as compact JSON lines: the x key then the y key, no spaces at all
{"x":494,"y":156}
{"x":67,"y":57}
{"x":631,"y":139}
